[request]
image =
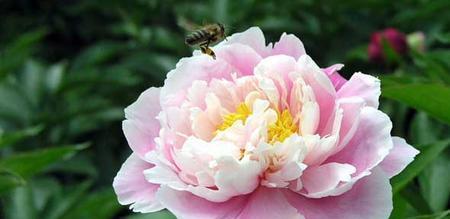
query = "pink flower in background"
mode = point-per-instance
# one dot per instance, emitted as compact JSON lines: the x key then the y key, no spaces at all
{"x":393,"y":37}
{"x":260,"y":132}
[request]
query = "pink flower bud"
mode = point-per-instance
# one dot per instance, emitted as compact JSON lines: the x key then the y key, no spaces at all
{"x":395,"y":39}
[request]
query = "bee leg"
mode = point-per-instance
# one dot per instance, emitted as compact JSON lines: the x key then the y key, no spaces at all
{"x":206,"y":50}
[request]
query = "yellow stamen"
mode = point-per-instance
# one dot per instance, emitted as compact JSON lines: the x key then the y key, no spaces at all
{"x":242,"y":112}
{"x":283,"y":127}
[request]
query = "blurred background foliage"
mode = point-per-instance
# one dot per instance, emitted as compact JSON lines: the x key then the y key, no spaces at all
{"x":68,"y":69}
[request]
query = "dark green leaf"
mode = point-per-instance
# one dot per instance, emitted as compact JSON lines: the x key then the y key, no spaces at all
{"x":8,"y":139}
{"x":431,"y":98}
{"x":90,"y":206}
{"x":30,"y":163}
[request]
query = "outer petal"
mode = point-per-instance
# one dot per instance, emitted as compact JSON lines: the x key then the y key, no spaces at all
{"x":141,"y":126}
{"x":370,"y":198}
{"x":268,"y":203}
{"x":132,"y":188}
{"x":289,"y":45}
{"x":334,"y":75}
{"x":188,"y":206}
{"x":252,"y":37}
{"x":362,"y":85}
{"x":370,"y":144}
{"x":399,"y":157}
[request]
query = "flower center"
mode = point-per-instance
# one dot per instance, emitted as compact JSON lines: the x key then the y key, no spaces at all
{"x":242,"y":112}
{"x":282,"y":128}
{"x":278,"y":131}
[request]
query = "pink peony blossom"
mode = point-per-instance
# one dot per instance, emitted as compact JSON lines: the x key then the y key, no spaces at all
{"x":394,"y":38}
{"x":260,"y":132}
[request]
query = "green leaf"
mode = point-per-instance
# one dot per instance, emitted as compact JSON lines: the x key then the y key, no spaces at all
{"x":30,"y":163}
{"x":20,"y":204}
{"x":434,"y":182}
{"x":426,"y":156}
{"x":8,"y":139}
{"x":66,"y":200}
{"x":18,"y":51}
{"x":10,"y":180}
{"x":440,"y":215}
{"x":101,"y":204}
{"x":431,"y":98}
{"x":413,"y":196}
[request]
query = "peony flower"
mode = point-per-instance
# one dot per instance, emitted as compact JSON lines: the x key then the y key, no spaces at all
{"x":395,"y":39}
{"x":260,"y":132}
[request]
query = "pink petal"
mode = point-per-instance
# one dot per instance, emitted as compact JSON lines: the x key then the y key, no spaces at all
{"x":323,"y":89}
{"x":362,"y":85}
{"x":370,"y":198}
{"x":370,"y":144}
{"x":188,"y":70}
{"x":252,"y":37}
{"x":320,"y":180}
{"x":141,"y":126}
{"x":334,"y":75}
{"x":351,"y":110}
{"x":269,"y":203}
{"x":399,"y":157}
{"x":188,"y":206}
{"x":132,"y":188}
{"x":277,"y":68}
{"x":241,"y":57}
{"x":289,"y":45}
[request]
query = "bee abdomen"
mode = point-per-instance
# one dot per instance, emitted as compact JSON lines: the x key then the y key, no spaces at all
{"x":197,"y":37}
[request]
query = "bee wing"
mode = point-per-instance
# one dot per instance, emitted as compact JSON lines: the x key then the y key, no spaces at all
{"x":187,"y":25}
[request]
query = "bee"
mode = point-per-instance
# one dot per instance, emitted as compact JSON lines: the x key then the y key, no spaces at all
{"x":206,"y":35}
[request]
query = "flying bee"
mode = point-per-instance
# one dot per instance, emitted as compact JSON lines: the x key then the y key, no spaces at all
{"x":206,"y":35}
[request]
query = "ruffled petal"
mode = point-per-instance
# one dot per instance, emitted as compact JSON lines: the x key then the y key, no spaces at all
{"x":399,"y":157}
{"x":266,"y":203}
{"x":318,"y":181}
{"x":132,"y":188}
{"x":142,"y":126}
{"x":370,"y":144}
{"x":364,"y":86}
{"x":188,"y":206}
{"x":370,"y":198}
{"x":334,"y":75}
{"x":289,"y":45}
{"x":324,"y":91}
{"x":252,"y":37}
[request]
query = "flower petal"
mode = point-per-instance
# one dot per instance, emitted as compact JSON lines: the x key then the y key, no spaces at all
{"x":132,"y":188}
{"x":370,"y":144}
{"x":241,"y":57}
{"x":362,"y":85}
{"x":141,"y":126}
{"x":334,"y":75}
{"x":289,"y":45}
{"x":399,"y":157}
{"x":252,"y":37}
{"x":370,"y":198}
{"x":188,"y":206}
{"x":188,"y":70}
{"x":266,"y":203}
{"x":320,"y":180}
{"x":324,"y":91}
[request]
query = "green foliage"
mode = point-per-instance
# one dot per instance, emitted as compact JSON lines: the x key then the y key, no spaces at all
{"x":69,"y":68}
